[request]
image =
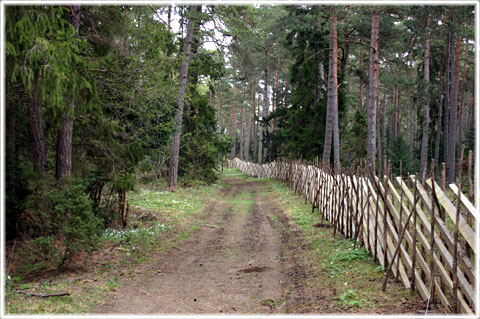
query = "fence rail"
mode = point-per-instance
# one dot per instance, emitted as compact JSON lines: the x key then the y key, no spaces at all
{"x":421,"y":234}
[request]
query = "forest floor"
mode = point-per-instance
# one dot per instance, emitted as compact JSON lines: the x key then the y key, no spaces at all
{"x":255,"y":247}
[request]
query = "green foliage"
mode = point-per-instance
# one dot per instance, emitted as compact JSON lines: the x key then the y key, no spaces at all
{"x":350,"y":299}
{"x":76,"y":222}
{"x":301,"y":117}
{"x":49,"y":55}
{"x":38,"y":254}
{"x":200,"y":142}
{"x":354,"y":148}
{"x":61,"y":224}
{"x":201,"y":145}
{"x":351,"y":255}
{"x":398,"y":153}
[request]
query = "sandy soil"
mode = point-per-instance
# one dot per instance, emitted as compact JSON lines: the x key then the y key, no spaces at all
{"x":233,"y":264}
{"x":239,"y":262}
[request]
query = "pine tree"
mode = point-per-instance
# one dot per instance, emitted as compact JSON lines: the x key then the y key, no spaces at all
{"x":173,"y":168}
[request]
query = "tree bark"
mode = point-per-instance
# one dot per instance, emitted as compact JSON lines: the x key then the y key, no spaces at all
{"x":446,"y":115}
{"x":175,"y":151}
{"x":35,"y":119}
{"x":262,"y":149}
{"x":395,"y":115}
{"x":249,"y":124}
{"x":426,"y":118}
{"x":452,"y":137}
{"x":255,"y":136}
{"x":440,"y":109}
{"x":64,"y":138}
{"x":384,"y":123}
{"x":233,"y":132}
{"x":398,"y":108}
{"x":372,"y":91}
{"x":462,"y":98}
{"x":379,"y":132}
{"x":219,"y":110}
{"x":265,"y":114}
{"x":411,"y":110}
{"x":64,"y":145}
{"x":274,"y":95}
{"x":332,"y":98}
{"x":471,"y":121}
{"x":379,"y":142}
{"x":360,"y":100}
{"x":336,"y":132}
{"x":242,"y":127}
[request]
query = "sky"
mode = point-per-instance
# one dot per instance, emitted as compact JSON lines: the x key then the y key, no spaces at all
{"x":208,"y":44}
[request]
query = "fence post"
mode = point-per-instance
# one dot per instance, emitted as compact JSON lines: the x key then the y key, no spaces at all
{"x":414,"y":243}
{"x":455,"y":236}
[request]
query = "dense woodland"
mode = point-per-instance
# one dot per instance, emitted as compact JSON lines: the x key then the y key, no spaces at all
{"x":100,"y":99}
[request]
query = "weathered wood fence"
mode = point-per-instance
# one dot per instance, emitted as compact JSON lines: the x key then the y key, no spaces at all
{"x":423,"y":235}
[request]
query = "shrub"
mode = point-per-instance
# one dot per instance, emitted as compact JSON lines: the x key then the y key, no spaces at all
{"x":61,"y":224}
{"x":77,"y":223}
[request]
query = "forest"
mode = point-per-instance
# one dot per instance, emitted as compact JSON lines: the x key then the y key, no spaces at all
{"x":103,"y":101}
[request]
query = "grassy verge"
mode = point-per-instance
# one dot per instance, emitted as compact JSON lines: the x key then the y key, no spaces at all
{"x":157,"y":221}
{"x":349,"y":277}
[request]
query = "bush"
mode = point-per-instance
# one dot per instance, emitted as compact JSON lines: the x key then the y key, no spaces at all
{"x":61,"y":224}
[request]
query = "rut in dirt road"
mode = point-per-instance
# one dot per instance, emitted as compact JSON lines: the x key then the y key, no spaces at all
{"x":232,"y":264}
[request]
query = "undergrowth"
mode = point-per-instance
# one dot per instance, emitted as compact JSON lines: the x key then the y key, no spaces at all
{"x":157,"y":221}
{"x":345,"y":273}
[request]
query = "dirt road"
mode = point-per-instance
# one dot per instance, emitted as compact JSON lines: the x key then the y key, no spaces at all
{"x":235,"y":263}
{"x":247,"y":257}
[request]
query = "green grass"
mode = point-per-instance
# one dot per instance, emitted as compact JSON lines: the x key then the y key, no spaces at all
{"x":232,"y":172}
{"x":157,"y":221}
{"x":272,"y":303}
{"x":349,"y":271}
{"x":241,"y":202}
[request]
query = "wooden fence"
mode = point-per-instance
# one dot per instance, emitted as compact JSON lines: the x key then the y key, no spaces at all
{"x":422,"y":234}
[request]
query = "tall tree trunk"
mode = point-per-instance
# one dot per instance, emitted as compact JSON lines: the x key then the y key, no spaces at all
{"x":462,"y":98}
{"x":233,"y":133}
{"x":249,"y":124}
{"x":262,"y":149}
{"x":360,"y":100}
{"x":332,"y":98}
{"x":285,"y":91}
{"x":452,"y":137}
{"x":336,"y":132}
{"x":242,"y":127}
{"x":411,"y":110}
{"x":274,"y":94}
{"x":169,"y":18}
{"x":384,"y":123}
{"x":372,"y":91}
{"x":426,"y":118}
{"x":173,"y":169}
{"x":446,"y":115}
{"x":35,"y":119}
{"x":255,"y":136}
{"x":64,"y":145}
{"x":399,"y":118}
{"x":394,"y":115}
{"x":379,"y":136}
{"x":379,"y":141}
{"x":64,"y":138}
{"x":219,"y":108}
{"x":440,"y":107}
{"x":265,"y":114}
{"x":471,"y":122}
